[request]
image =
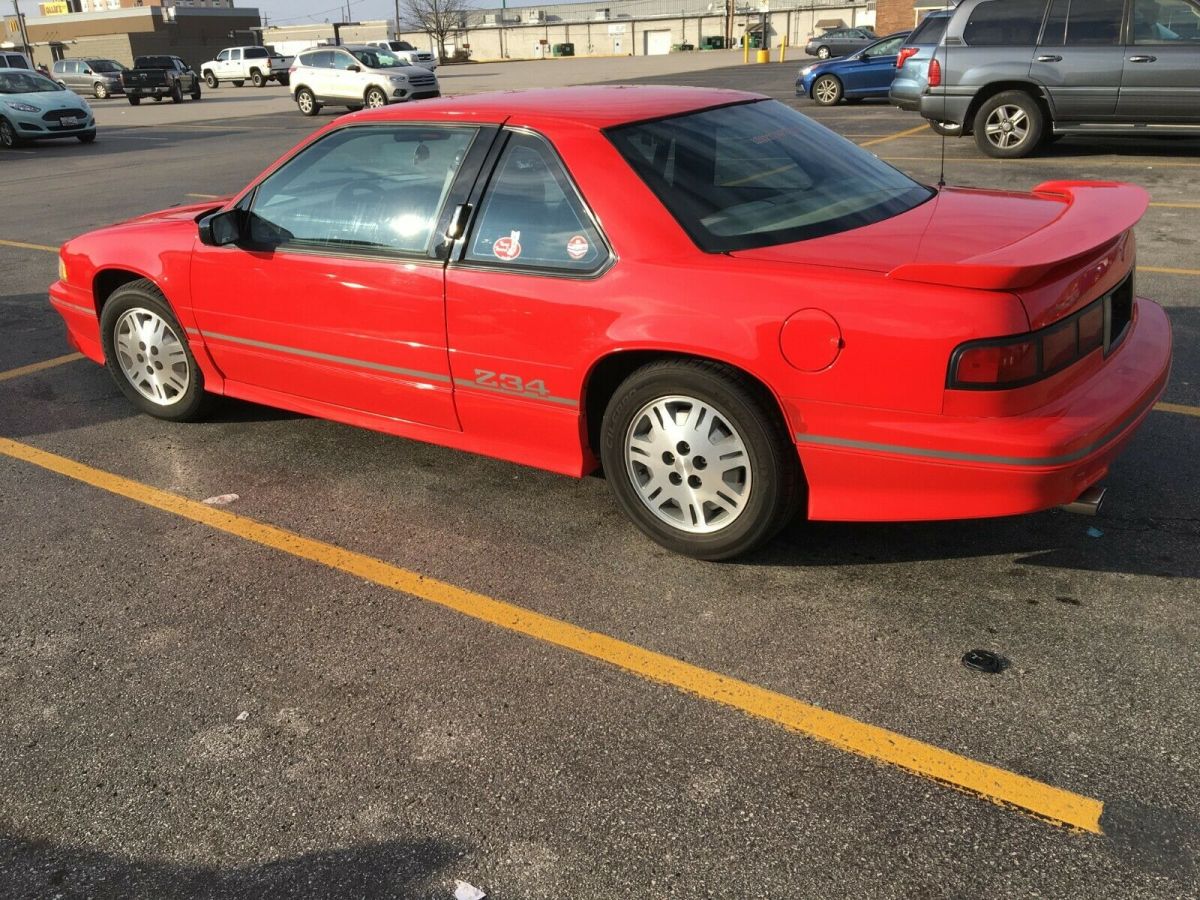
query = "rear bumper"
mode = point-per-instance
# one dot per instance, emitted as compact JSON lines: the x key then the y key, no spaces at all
{"x":877,"y":465}
{"x":905,"y":93}
{"x":942,"y":108}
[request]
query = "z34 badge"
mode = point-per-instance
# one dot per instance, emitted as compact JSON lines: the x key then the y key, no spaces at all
{"x":513,"y":383}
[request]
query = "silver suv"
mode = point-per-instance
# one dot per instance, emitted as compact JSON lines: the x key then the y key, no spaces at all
{"x":1018,"y":73}
{"x":354,"y":77}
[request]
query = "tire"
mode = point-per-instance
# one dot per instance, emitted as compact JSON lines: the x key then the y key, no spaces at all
{"x":134,"y":99}
{"x":238,"y":82}
{"x":307,"y":102}
{"x":644,"y":460}
{"x":100,"y":90}
{"x":8,"y":135}
{"x":135,"y":322}
{"x":827,"y":90}
{"x":196,"y":91}
{"x":374,"y":98}
{"x":355,"y":107}
{"x":89,"y":138}
{"x":256,"y":78}
{"x":177,"y":92}
{"x":211,"y":80}
{"x":945,"y":129}
{"x":157,"y":98}
{"x":823,"y":53}
{"x":1016,"y":124}
{"x":285,"y":80}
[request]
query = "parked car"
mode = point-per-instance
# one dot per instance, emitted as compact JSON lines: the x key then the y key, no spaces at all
{"x":11,"y":59}
{"x":99,"y":77}
{"x":407,"y":52}
{"x":912,"y":65}
{"x":34,"y":108}
{"x":606,"y":276}
{"x":258,"y":65}
{"x":839,"y":42}
{"x":859,"y":76}
{"x":357,"y":76}
{"x":157,"y":77}
{"x":1018,"y":73}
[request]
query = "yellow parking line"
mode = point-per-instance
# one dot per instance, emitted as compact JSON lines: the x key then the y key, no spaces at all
{"x":39,"y":366}
{"x":997,"y":785}
{"x":1164,"y":270}
{"x":955,"y":160}
{"x":1175,"y":205}
{"x":1179,"y":408}
{"x":204,"y":196}
{"x":25,"y":246}
{"x":892,"y":137}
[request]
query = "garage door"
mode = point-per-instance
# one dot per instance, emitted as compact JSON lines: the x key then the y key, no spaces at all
{"x":658,"y":43}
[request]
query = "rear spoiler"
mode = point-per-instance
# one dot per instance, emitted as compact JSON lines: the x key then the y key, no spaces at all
{"x":1095,"y":213}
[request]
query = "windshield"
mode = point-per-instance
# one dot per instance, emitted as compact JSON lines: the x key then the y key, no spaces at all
{"x":14,"y":82}
{"x":760,"y":173}
{"x":378,"y":58}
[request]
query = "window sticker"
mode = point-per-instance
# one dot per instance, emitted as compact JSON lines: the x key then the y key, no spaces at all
{"x":577,"y":247}
{"x":508,"y":248}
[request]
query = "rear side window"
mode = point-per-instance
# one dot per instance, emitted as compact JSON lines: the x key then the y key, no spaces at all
{"x":531,"y":216}
{"x":1165,"y":22}
{"x":1082,"y":24}
{"x":322,"y":59}
{"x":1005,"y":23}
{"x":257,"y":53}
{"x":930,"y":31}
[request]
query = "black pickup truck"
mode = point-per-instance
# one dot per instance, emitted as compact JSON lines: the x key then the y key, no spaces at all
{"x":160,"y":76}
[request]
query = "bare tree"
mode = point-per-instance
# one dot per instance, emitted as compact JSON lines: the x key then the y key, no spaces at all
{"x":437,"y":18}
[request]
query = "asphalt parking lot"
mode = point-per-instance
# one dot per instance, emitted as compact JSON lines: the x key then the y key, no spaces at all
{"x":387,"y":666}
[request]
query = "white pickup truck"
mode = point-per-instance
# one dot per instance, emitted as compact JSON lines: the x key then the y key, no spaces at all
{"x":258,"y":65}
{"x":407,"y":52}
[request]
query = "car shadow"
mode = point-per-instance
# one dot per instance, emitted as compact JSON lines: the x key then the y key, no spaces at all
{"x":36,"y":868}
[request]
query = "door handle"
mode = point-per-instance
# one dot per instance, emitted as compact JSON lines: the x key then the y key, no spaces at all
{"x":1049,"y":59}
{"x":1143,"y":59}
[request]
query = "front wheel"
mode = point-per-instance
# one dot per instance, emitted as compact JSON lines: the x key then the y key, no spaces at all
{"x":211,"y":80}
{"x":100,"y":90}
{"x":1009,"y":125}
{"x":146,"y":352}
{"x":823,"y":53}
{"x":196,"y":91}
{"x":8,"y":135}
{"x":698,"y":459}
{"x":827,"y":90}
{"x":307,"y":102}
{"x":375,"y":98}
{"x":88,"y":138}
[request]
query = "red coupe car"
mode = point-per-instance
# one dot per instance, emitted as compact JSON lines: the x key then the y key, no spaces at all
{"x":732,"y":310}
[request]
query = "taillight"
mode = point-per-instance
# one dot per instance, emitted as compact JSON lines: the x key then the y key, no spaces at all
{"x":905,"y":53}
{"x":1025,"y":358}
{"x":935,"y":73}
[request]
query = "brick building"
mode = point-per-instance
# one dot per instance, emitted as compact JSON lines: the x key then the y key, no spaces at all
{"x":895,"y":15}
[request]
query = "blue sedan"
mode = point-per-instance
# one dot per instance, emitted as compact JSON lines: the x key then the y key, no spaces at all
{"x":867,"y":73}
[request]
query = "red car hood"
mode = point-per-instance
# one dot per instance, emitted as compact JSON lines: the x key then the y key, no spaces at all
{"x":177,"y":213}
{"x":992,"y":240}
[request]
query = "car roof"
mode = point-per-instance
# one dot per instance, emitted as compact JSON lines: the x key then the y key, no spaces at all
{"x":596,"y":106}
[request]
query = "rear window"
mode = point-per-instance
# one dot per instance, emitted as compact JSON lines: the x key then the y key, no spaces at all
{"x":1005,"y":23}
{"x":930,"y":31}
{"x":256,"y":53}
{"x":760,"y":173}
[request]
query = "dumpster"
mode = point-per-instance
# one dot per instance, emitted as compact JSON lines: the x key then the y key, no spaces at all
{"x":713,"y":42}
{"x":563,"y":50}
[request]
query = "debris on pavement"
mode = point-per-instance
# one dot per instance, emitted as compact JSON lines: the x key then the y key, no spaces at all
{"x":465,"y":891}
{"x":1094,"y":532}
{"x":985,"y":661}
{"x":221,"y":500}
{"x":242,"y":716}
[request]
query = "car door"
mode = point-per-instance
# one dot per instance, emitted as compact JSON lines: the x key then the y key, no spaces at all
{"x":1160,"y":81}
{"x":334,"y":293}
{"x":233,"y":65}
{"x":344,"y":82}
{"x":220,"y":65}
{"x":519,"y":291}
{"x":874,"y":69}
{"x":1080,"y":57}
{"x":318,"y":71}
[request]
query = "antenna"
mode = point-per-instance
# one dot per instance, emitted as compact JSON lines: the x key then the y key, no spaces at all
{"x":946,"y":41}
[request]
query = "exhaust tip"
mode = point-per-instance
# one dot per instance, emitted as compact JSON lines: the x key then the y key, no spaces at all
{"x":1088,"y":503}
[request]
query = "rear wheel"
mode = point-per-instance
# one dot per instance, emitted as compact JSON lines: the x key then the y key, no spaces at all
{"x":307,"y":102}
{"x":945,"y":129}
{"x":375,"y":98}
{"x":1009,"y":125}
{"x":285,"y":80}
{"x":146,"y":352}
{"x":157,"y":98}
{"x":698,"y":459}
{"x":823,"y":53}
{"x":827,"y":90}
{"x":100,"y":90}
{"x":134,"y":99}
{"x":8,"y":134}
{"x":211,"y":79}
{"x":256,"y":78}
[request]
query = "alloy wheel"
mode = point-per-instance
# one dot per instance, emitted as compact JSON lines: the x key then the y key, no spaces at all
{"x":1007,"y":126}
{"x":151,"y":356}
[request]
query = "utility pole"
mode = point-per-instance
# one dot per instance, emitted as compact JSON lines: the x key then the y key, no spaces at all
{"x":25,"y":48}
{"x":397,"y":34}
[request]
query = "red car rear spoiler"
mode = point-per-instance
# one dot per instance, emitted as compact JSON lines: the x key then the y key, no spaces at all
{"x":1094,"y":214}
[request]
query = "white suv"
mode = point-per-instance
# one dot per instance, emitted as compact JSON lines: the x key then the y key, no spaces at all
{"x":407,"y":51}
{"x":355,"y":77}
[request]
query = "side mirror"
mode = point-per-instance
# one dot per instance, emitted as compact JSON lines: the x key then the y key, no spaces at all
{"x":222,"y":228}
{"x":353,"y":68}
